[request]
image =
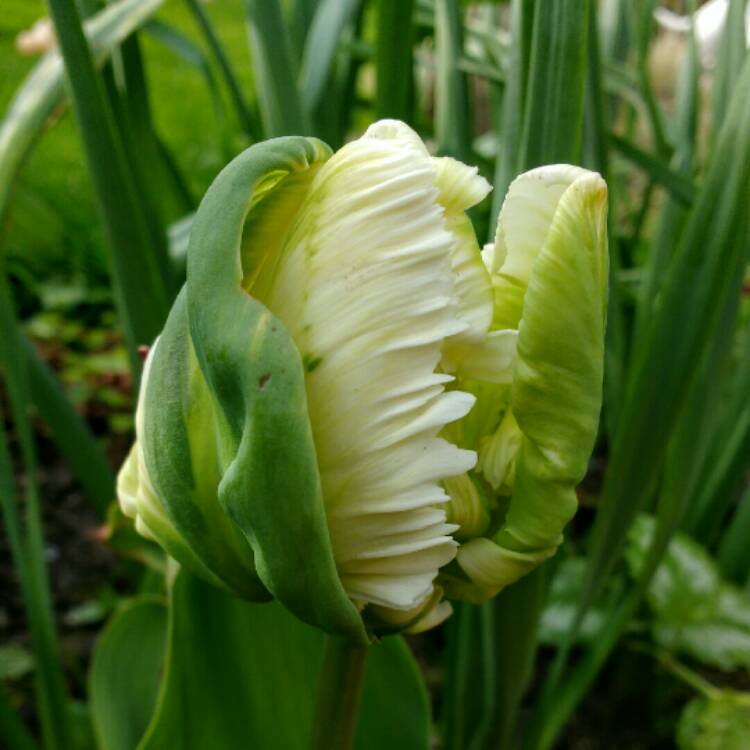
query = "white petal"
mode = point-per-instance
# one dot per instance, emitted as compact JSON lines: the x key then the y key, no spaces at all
{"x":365,"y":284}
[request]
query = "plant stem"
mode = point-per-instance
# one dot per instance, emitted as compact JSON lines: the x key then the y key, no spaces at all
{"x":339,"y":694}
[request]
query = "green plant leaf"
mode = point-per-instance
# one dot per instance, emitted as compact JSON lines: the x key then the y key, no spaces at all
{"x":125,"y":673}
{"x":322,"y":40}
{"x":245,"y":675}
{"x":139,"y":265}
{"x":25,"y":534}
{"x":452,"y":120}
{"x":235,"y":90}
{"x":696,"y":612}
{"x":557,"y":73}
{"x":280,"y":102}
{"x":720,"y":721}
{"x":394,"y":62}
{"x":703,"y":275}
{"x":734,"y":551}
{"x":680,"y":187}
{"x":13,"y":732}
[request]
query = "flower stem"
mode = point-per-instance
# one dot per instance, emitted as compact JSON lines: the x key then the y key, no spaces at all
{"x":339,"y":694}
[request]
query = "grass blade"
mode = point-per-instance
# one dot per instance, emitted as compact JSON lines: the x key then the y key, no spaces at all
{"x":394,"y":63}
{"x":511,"y":121}
{"x":730,"y":58}
{"x":280,"y":102}
{"x":331,"y":17}
{"x":703,"y":275}
{"x":301,"y":15}
{"x":680,"y":187}
{"x":27,"y":544}
{"x":734,"y":551}
{"x":554,"y":103}
{"x":217,"y":50}
{"x":43,"y":88}
{"x":13,"y":732}
{"x":142,"y":292}
{"x":596,"y":155}
{"x":452,"y":119}
{"x":672,"y":218}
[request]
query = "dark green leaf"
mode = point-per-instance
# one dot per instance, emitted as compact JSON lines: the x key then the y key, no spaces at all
{"x":452,"y":119}
{"x":125,"y":674}
{"x":394,"y":64}
{"x":142,"y":291}
{"x":280,"y":102}
{"x":245,"y":675}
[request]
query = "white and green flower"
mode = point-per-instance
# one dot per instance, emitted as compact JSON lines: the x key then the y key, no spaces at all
{"x":306,"y":415}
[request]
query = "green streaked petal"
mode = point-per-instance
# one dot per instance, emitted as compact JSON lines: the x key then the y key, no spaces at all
{"x":557,"y":388}
{"x":468,"y":508}
{"x":489,"y":568}
{"x":497,"y":454}
{"x":522,"y":229}
{"x":490,"y":360}
{"x":552,"y":284}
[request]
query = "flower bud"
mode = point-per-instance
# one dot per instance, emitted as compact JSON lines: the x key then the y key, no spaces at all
{"x":288,"y":430}
{"x":537,"y":376}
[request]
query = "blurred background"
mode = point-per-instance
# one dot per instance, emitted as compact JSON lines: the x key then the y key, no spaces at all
{"x":637,"y":635}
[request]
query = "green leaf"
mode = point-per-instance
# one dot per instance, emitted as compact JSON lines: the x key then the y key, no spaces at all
{"x":394,"y":63}
{"x":730,"y":59}
{"x":245,"y":675}
{"x":703,"y":275}
{"x":26,"y":536}
{"x":280,"y":102}
{"x":395,"y":710}
{"x":679,"y":186}
{"x":554,"y":103}
{"x":125,"y":673}
{"x":695,"y":611}
{"x":512,"y":119}
{"x":139,"y":266}
{"x":235,"y":90}
{"x":452,"y":120}
{"x":13,"y":732}
{"x":720,"y":721}
{"x":734,"y":552}
{"x":331,"y":17}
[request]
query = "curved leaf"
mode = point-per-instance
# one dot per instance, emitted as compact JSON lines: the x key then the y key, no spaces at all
{"x":245,"y":675}
{"x":125,"y":673}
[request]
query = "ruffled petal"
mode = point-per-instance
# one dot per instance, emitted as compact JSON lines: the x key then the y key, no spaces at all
{"x":365,"y":285}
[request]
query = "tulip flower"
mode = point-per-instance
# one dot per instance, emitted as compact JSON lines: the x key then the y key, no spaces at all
{"x":305,"y":427}
{"x":537,"y":410}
